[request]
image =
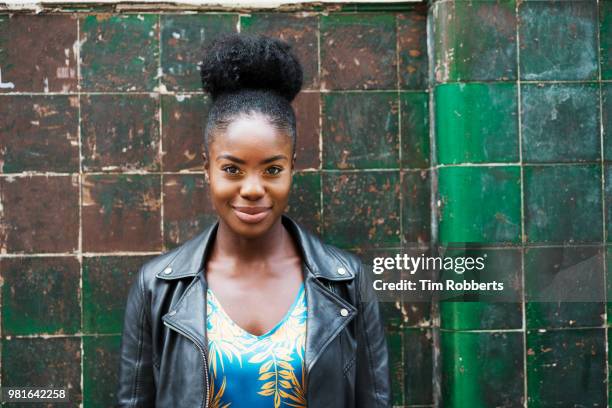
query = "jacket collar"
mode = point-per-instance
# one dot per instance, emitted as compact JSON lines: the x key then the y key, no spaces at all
{"x":320,"y":259}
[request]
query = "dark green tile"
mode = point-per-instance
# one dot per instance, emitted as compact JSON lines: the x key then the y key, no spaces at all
{"x":564,"y":287}
{"x":43,"y":362}
{"x":412,"y":48}
{"x":100,"y":370}
{"x":120,"y":132}
{"x":608,"y":201}
{"x":416,"y":207}
{"x":479,"y":204}
{"x":39,"y":133}
{"x":558,"y":40}
{"x":605,"y":38}
{"x":360,"y":130}
{"x":608,"y":250}
{"x":358,"y":51}
{"x":566,"y":368}
{"x":560,"y":122}
{"x":38,"y":52}
{"x":418,"y":366}
{"x":477,"y":40}
{"x":106,"y":282}
{"x":187,"y":207}
{"x":305,"y":200}
{"x":183,"y":123}
{"x":482,"y":370}
{"x":183,"y":37}
{"x":606,"y":110}
{"x":477,"y":123}
{"x":414,"y":119}
{"x":361,"y":209}
{"x":121,"y":212}
{"x":484,"y":310}
{"x":396,"y":366}
{"x":298,"y":30}
{"x":119,"y":52}
{"x":563,"y":203}
{"x":40,"y":295}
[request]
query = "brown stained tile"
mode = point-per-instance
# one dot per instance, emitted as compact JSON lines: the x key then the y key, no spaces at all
{"x":183,"y":122}
{"x":101,"y":359}
{"x":187,"y":207}
{"x":106,"y":283}
{"x":358,"y":51}
{"x":305,"y":200}
{"x":120,"y":132}
{"x":43,"y":362}
{"x":40,"y":295}
{"x":121,"y":213}
{"x":37,"y":53}
{"x":412,"y":47}
{"x":119,"y":52}
{"x":39,"y":133}
{"x":299,"y":30}
{"x":39,"y":214}
{"x":361,"y":209}
{"x":416,"y":211}
{"x":306,"y":107}
{"x":183,"y":38}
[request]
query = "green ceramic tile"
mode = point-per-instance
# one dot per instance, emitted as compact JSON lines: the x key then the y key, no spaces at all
{"x":477,"y":40}
{"x":414,"y":120}
{"x":106,"y":282}
{"x":416,"y":207}
{"x":606,"y":110}
{"x":40,"y":295}
{"x":119,"y":52}
{"x":563,"y":203}
{"x":298,"y":29}
{"x":183,"y":39}
{"x":360,"y":130}
{"x":560,"y":122}
{"x":41,"y":362}
{"x":477,"y":123}
{"x":564,"y":287}
{"x":482,"y":370}
{"x":358,"y":51}
{"x":120,"y":132}
{"x":396,"y":367}
{"x":485,"y":310}
{"x":566,"y":368}
{"x":558,"y":40}
{"x":605,"y":38}
{"x":361,"y":209}
{"x":305,"y":200}
{"x":100,"y":370}
{"x":418,"y":366}
{"x":479,"y":204}
{"x":412,"y":48}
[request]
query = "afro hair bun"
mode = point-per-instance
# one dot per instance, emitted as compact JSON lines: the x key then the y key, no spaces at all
{"x":238,"y":61}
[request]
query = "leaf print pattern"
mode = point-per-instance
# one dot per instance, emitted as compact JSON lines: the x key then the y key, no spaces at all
{"x":255,"y":371}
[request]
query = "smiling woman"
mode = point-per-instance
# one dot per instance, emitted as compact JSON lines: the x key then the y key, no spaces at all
{"x":277,"y":317}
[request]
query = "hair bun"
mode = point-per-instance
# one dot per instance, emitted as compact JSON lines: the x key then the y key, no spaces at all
{"x":238,"y":61}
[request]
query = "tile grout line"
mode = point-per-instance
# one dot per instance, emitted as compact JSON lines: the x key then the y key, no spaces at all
{"x":160,"y":126}
{"x":522,"y":193}
{"x":320,"y":169}
{"x":77,"y":50}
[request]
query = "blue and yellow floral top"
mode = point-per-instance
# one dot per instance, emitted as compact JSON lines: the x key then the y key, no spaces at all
{"x":248,"y":371}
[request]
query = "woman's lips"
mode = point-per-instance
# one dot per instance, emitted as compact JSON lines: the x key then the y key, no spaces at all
{"x":251,"y":215}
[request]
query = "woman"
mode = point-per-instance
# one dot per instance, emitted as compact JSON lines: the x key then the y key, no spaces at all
{"x":254,"y":311}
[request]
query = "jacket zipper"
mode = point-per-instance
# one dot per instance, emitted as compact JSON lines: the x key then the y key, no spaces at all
{"x":205,"y":401}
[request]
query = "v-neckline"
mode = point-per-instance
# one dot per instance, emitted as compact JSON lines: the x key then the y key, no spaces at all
{"x":269,"y":332}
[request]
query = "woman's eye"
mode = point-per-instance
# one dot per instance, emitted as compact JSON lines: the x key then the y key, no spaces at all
{"x":231,"y":169}
{"x":274,"y":170}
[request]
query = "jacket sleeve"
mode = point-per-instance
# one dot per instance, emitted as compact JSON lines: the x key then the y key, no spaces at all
{"x":136,"y":387}
{"x":373,"y":382}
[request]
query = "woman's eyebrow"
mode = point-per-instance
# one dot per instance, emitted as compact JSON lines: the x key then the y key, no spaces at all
{"x":240,"y":161}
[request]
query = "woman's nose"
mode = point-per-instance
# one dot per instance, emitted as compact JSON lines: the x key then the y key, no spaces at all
{"x":252,"y":188}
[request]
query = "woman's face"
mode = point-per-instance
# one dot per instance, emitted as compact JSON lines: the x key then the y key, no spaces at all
{"x":250,"y":167}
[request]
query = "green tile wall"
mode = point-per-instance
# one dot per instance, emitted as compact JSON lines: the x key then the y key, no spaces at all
{"x":462,"y":126}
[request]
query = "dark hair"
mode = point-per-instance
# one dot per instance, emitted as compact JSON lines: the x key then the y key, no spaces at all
{"x":248,"y":73}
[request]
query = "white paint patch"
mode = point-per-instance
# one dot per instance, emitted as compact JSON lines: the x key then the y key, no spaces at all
{"x":46,"y":82}
{"x":5,"y":85}
{"x":176,"y":35}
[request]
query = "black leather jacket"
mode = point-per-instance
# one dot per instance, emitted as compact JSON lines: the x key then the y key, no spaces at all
{"x":163,"y":348}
